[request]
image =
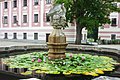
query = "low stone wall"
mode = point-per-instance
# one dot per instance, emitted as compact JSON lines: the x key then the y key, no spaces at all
{"x":10,"y":49}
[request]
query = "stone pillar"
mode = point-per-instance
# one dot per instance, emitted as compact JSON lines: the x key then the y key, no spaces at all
{"x":57,"y":44}
{"x":57,"y":39}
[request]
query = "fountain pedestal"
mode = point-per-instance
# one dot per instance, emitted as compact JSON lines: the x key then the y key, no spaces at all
{"x":57,"y":44}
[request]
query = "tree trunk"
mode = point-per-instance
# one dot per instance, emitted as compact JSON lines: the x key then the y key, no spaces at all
{"x":78,"y":34}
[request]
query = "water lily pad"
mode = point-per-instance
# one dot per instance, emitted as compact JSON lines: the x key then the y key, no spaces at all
{"x":39,"y":72}
{"x":99,"y":71}
{"x":66,"y":73}
{"x":27,"y":73}
{"x":85,"y":64}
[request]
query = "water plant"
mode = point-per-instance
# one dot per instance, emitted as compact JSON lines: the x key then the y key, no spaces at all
{"x":39,"y":62}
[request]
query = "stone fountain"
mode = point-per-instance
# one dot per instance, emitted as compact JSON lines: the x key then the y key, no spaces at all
{"x":57,"y":39}
{"x":57,"y":48}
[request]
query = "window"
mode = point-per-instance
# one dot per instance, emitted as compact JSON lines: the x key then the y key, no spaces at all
{"x":114,"y":4}
{"x":48,"y":1}
{"x":24,"y":35}
{"x":15,"y":3}
{"x":35,"y":36}
{"x":114,"y":22}
{"x":47,"y":35}
{"x":47,"y":18}
{"x":5,"y":5}
{"x":113,"y":36}
{"x":15,"y":19}
{"x":14,"y":35}
{"x":35,"y":18}
{"x":24,"y":2}
{"x":5,"y":36}
{"x":5,"y":20}
{"x":35,"y":2}
{"x":24,"y":18}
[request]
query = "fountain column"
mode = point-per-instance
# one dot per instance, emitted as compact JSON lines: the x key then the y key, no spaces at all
{"x":57,"y":44}
{"x":57,"y":39}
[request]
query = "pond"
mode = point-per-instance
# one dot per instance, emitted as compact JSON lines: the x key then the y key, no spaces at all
{"x":14,"y":73}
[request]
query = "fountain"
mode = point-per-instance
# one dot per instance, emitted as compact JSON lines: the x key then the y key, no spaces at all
{"x":57,"y":39}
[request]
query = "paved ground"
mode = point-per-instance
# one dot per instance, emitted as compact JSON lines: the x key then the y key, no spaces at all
{"x":8,"y":43}
{"x":110,"y":46}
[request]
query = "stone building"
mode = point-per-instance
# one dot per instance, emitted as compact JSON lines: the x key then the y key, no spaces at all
{"x":26,"y":19}
{"x":111,"y":31}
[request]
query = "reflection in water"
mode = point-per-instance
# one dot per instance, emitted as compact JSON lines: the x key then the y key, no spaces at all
{"x":6,"y":68}
{"x":7,"y":73}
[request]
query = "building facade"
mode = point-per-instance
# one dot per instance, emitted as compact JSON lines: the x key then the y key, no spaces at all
{"x":26,"y":19}
{"x":111,"y":31}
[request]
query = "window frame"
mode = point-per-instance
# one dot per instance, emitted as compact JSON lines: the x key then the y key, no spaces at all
{"x":36,"y":18}
{"x":113,"y":36}
{"x":5,"y":20}
{"x":36,"y":2}
{"x":5,"y":5}
{"x":47,"y":18}
{"x":5,"y":35}
{"x":35,"y":36}
{"x":24,"y":35}
{"x":25,"y":19}
{"x":14,"y":35}
{"x":114,"y":22}
{"x":14,"y":3}
{"x":25,"y":3}
{"x":15,"y":19}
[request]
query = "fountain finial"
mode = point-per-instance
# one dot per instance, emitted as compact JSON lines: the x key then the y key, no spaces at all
{"x":57,"y":16}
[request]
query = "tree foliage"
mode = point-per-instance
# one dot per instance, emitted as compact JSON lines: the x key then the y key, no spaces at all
{"x":89,"y":13}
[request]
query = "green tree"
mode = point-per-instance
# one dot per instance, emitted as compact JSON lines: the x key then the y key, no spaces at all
{"x":88,"y":13}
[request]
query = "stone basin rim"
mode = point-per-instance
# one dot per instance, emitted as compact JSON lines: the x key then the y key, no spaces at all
{"x":69,"y":47}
